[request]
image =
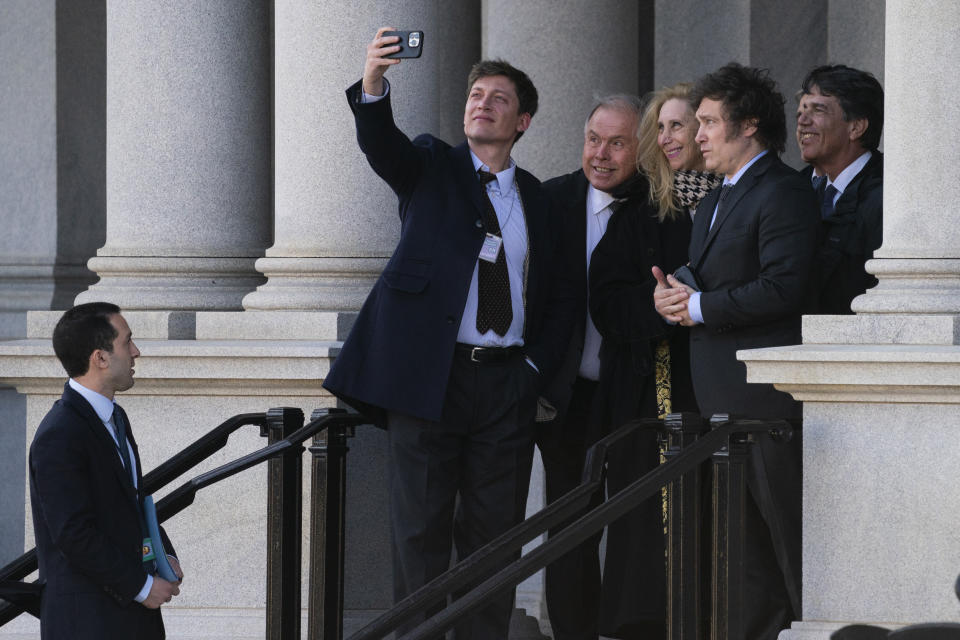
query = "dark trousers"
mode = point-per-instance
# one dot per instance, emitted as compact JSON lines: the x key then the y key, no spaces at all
{"x":572,"y":582}
{"x":766,"y":603}
{"x":773,"y":522}
{"x":462,"y":481}
{"x":634,"y":595}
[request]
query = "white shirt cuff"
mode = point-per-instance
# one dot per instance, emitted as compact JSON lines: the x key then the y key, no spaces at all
{"x":146,"y":590}
{"x":693,"y":306}
{"x":366,"y":97}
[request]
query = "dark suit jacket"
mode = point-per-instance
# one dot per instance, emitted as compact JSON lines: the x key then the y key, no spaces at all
{"x":568,"y":197}
{"x":756,"y":267}
{"x":87,"y":529}
{"x":621,"y":304}
{"x":848,"y":239}
{"x":399,"y":353}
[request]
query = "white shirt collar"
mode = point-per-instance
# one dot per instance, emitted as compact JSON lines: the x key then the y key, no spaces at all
{"x":850,"y":172}
{"x":101,"y":404}
{"x":743,"y":169}
{"x":598,"y":200}
{"x":504,"y":178}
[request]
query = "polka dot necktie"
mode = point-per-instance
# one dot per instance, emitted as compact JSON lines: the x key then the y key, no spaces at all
{"x":494,"y":310}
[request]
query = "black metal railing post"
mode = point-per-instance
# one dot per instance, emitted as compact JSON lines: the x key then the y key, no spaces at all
{"x":327,"y":520}
{"x":729,"y":502}
{"x":684,"y":526}
{"x":284,"y":513}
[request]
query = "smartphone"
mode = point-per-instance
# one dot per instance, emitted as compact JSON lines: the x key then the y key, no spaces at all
{"x":411,"y":44}
{"x":688,"y":276}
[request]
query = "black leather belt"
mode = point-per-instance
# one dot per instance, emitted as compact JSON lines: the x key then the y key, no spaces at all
{"x":487,"y":354}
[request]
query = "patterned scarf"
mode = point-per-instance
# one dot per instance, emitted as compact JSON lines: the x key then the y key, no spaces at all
{"x":689,"y":187}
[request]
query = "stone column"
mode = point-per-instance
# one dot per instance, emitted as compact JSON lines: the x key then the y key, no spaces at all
{"x":28,"y":161}
{"x":188,"y":154}
{"x":855,"y":36}
{"x":788,"y":38}
{"x":51,"y":160}
{"x":919,"y":262}
{"x":336,"y":221}
{"x":51,"y":188}
{"x":881,"y":389}
{"x":692,"y":39}
{"x":28,"y":213}
{"x":591,"y":48}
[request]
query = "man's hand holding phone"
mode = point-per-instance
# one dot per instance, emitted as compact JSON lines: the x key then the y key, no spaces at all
{"x":377,"y":62}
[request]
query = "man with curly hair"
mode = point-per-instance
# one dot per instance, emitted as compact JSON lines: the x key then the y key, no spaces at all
{"x":751,"y":254}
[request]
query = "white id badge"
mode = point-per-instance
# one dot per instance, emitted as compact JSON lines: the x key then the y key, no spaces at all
{"x":491,"y":248}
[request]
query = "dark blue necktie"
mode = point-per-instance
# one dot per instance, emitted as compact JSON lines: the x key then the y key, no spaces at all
{"x":724,"y":192}
{"x":121,"y":428}
{"x":120,"y":425}
{"x":819,"y":182}
{"x":826,"y":205}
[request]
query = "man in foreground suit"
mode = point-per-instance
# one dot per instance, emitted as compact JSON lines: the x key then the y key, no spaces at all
{"x":752,"y":249}
{"x":839,"y":122}
{"x":469,"y":315}
{"x":585,"y":199}
{"x":84,"y":478}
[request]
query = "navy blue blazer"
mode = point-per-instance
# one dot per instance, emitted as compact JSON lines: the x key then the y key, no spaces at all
{"x":399,"y":353}
{"x":85,"y":517}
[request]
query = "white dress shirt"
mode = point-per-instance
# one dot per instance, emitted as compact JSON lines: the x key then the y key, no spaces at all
{"x":845,"y":177}
{"x":513,"y":229}
{"x":598,"y":214}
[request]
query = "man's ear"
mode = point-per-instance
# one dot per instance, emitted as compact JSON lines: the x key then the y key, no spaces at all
{"x":858,"y":127}
{"x":524,"y":123}
{"x":749,"y":127}
{"x":98,"y":360}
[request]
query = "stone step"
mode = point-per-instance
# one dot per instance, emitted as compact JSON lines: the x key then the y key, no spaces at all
{"x":240,"y":624}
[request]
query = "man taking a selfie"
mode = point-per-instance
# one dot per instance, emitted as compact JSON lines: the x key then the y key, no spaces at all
{"x":467,"y":319}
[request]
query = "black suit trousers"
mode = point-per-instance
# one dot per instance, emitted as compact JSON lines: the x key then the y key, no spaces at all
{"x":462,"y":481}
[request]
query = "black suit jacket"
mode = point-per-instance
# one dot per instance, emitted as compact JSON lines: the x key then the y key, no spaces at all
{"x":87,"y":529}
{"x":848,"y":239}
{"x":568,"y":197}
{"x":399,"y":353}
{"x":756,"y":267}
{"x":621,"y":304}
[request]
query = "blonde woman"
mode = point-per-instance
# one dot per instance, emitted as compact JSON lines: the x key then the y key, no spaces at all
{"x":670,"y":156}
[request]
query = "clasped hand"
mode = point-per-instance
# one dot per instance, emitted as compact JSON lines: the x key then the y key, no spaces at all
{"x":670,"y":298}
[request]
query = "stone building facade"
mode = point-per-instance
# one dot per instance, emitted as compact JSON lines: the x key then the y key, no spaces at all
{"x":195,"y":163}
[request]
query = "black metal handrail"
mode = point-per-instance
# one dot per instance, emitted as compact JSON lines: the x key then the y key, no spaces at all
{"x":481,"y":571}
{"x":485,"y":560}
{"x":286,"y":435}
{"x":182,"y":497}
{"x":180,"y":463}
{"x":199,"y":450}
{"x":465,"y":573}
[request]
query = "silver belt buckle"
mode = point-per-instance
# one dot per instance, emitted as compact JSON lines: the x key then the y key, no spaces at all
{"x":473,"y":354}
